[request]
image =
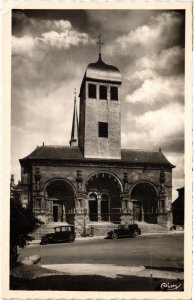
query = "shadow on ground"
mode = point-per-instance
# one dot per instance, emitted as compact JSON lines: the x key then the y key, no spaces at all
{"x":24,"y":277}
{"x":88,"y":283}
{"x":171,"y":269}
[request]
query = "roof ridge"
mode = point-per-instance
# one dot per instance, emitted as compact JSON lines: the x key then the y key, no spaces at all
{"x":139,"y":150}
{"x":54,"y":146}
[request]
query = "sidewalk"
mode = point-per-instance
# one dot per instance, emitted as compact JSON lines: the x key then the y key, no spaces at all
{"x":79,"y":238}
{"x":114,"y":271}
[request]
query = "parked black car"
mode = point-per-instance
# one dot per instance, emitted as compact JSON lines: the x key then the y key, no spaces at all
{"x":60,"y":234}
{"x":125,"y":231}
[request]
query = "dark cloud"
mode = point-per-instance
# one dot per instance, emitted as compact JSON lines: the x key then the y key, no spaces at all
{"x":22,"y":19}
{"x":173,"y":144}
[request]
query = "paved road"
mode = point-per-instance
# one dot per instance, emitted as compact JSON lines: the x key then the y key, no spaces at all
{"x":154,"y":251}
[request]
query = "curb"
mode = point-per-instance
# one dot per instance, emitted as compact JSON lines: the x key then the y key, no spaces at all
{"x":36,"y":242}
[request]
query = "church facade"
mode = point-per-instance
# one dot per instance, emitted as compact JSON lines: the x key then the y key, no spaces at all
{"x":94,"y":181}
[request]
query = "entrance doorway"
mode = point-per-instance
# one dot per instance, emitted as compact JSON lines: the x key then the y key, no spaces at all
{"x":93,"y":208}
{"x":57,"y":213}
{"x":137,"y":211}
{"x":109,"y":187}
{"x":62,"y":195}
{"x":145,"y":202}
{"x":104,"y":207}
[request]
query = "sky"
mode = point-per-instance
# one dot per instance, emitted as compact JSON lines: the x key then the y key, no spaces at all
{"x":50,"y":53}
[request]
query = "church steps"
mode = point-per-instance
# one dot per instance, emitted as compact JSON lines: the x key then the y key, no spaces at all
{"x":151,"y":228}
{"x":46,"y":228}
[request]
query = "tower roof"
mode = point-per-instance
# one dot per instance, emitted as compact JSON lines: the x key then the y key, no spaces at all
{"x":74,"y":130}
{"x":102,"y":71}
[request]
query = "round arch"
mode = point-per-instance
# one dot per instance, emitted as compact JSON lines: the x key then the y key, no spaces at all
{"x":98,"y":173}
{"x":60,"y":195}
{"x":106,"y":189}
{"x":144,"y":196}
{"x":59,"y":180}
{"x":145,"y":182}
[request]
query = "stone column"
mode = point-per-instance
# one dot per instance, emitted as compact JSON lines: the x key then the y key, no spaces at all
{"x":142,"y":213}
{"x":162,"y":197}
{"x":78,"y":205}
{"x":81,"y":215}
{"x":37,"y":178}
{"x":165,"y":214}
{"x":64,"y":215}
{"x":126,"y":214}
{"x":99,"y":207}
{"x":48,"y":209}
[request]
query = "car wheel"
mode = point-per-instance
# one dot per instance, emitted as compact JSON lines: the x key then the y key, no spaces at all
{"x":135,"y":234}
{"x":114,"y":236}
{"x":44,"y":241}
{"x":70,"y":239}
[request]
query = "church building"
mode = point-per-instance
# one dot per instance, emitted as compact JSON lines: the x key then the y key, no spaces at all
{"x":93,"y":182}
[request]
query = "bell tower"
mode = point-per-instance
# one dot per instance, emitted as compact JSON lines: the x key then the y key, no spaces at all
{"x":100,"y":111}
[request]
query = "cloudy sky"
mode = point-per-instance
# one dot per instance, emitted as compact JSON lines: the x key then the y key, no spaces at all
{"x":50,"y":52}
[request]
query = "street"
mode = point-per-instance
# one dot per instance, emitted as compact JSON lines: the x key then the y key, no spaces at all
{"x":164,"y":251}
{"x":146,"y":263}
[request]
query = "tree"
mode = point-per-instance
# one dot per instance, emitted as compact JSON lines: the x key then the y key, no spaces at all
{"x":22,"y":224}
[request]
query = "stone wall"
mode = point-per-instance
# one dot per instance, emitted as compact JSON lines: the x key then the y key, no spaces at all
{"x":70,"y":171}
{"x":36,"y":193}
{"x":96,"y":110}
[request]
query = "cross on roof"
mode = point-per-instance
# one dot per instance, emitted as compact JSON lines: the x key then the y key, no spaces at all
{"x":75,"y":95}
{"x":99,"y":43}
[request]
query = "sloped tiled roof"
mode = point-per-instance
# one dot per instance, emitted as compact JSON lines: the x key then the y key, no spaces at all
{"x":141,"y":156}
{"x":74,"y":153}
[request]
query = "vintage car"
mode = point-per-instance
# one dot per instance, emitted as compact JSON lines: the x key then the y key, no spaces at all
{"x":60,"y":234}
{"x":125,"y":231}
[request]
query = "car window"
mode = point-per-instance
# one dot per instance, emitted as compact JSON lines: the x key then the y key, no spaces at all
{"x":121,"y":227}
{"x":67,"y":228}
{"x":57,"y":229}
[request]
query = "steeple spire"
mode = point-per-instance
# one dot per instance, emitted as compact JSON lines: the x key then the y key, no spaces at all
{"x":74,"y":130}
{"x":99,"y":43}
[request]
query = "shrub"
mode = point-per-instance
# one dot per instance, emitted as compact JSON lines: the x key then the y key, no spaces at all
{"x":22,"y":224}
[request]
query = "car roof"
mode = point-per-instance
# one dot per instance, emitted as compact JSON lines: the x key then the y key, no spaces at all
{"x":62,"y":226}
{"x":126,"y":225}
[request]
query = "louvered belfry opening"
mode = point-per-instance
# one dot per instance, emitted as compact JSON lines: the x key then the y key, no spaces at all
{"x":114,"y":93}
{"x":103,"y":92}
{"x":91,"y":90}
